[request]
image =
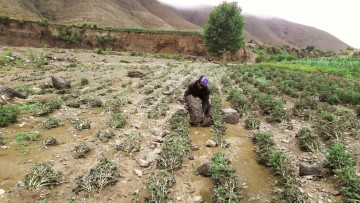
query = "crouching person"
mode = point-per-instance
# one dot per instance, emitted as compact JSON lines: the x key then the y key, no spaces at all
{"x":199,"y":113}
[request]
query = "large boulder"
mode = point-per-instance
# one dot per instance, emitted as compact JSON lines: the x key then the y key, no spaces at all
{"x":306,"y":169}
{"x":60,"y":83}
{"x":10,"y":93}
{"x":195,"y":110}
{"x":230,"y":115}
{"x":196,"y":113}
{"x":203,"y":170}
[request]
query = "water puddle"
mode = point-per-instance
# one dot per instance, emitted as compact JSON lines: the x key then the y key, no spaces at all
{"x":255,"y":179}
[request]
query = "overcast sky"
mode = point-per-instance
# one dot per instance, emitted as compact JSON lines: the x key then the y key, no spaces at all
{"x":339,"y":18}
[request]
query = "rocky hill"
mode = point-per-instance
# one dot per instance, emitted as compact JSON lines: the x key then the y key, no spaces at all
{"x":150,"y":14}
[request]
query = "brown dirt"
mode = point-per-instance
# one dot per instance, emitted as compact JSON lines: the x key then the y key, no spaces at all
{"x":255,"y":179}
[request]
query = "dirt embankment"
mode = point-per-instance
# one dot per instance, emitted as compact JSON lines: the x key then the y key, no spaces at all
{"x":35,"y":34}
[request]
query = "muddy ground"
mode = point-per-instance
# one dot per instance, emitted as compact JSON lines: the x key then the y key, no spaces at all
{"x":107,"y":76}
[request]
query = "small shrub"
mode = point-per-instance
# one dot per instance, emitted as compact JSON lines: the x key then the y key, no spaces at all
{"x":84,"y":81}
{"x":338,"y":158}
{"x":26,"y":136}
{"x":81,"y":124}
{"x":51,"y":122}
{"x":118,"y":120}
{"x":104,"y":174}
{"x":159,"y":186}
{"x":252,"y":123}
{"x":308,"y":141}
{"x":130,"y":143}
{"x":8,"y":115}
{"x":80,"y":150}
{"x":50,"y":141}
{"x":104,"y":135}
{"x":2,"y":142}
{"x":42,"y":175}
{"x":47,"y":106}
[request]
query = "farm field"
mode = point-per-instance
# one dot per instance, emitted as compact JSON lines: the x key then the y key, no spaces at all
{"x":121,"y":133}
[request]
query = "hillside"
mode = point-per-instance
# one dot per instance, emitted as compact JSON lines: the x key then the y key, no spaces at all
{"x":150,"y":14}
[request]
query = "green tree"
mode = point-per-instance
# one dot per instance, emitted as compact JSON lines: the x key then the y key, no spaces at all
{"x":223,"y":31}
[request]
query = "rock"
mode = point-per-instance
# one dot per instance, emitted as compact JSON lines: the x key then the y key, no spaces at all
{"x":2,"y":191}
{"x":198,"y":199}
{"x":10,"y":93}
{"x":194,"y":147}
{"x":306,"y":169}
{"x":195,"y":110}
{"x":230,"y":115}
{"x":335,"y":192}
{"x":210,"y":143}
{"x":60,"y":83}
{"x":143,"y":163}
{"x":191,"y":157}
{"x":203,"y":170}
{"x":135,"y":74}
{"x":152,"y":156}
{"x":138,"y":172}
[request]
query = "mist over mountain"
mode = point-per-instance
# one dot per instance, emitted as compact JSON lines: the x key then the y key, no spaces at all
{"x":151,"y":14}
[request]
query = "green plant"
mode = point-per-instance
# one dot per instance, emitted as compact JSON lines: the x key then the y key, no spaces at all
{"x":118,"y":120}
{"x":104,"y":135}
{"x":81,"y":124}
{"x":130,"y":143}
{"x":252,"y":123}
{"x":43,"y":22}
{"x":338,"y":158}
{"x":8,"y":115}
{"x":51,"y":122}
{"x":80,"y":150}
{"x":50,"y":141}
{"x":42,"y":175}
{"x":104,"y":174}
{"x":48,"y":105}
{"x":224,"y":29}
{"x":308,"y":141}
{"x":28,"y":136}
{"x":4,"y":20}
{"x":159,"y":187}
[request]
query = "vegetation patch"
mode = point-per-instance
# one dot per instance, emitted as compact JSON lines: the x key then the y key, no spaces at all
{"x":104,"y":135}
{"x":343,"y":166}
{"x":80,"y":150}
{"x":252,"y":123}
{"x":26,"y":136}
{"x":158,"y":187}
{"x":81,"y":124}
{"x":130,"y":142}
{"x":308,"y":141}
{"x":118,"y":120}
{"x":42,"y":175}
{"x":273,"y":157}
{"x":47,"y":106}
{"x":226,"y":184}
{"x":49,"y":123}
{"x":104,"y":174}
{"x":50,"y":141}
{"x":8,"y":115}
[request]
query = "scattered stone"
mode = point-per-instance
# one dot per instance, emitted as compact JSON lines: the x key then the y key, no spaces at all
{"x":230,"y":115}
{"x":194,"y":147}
{"x":191,"y":157}
{"x":2,"y":191}
{"x":198,"y":199}
{"x":143,"y":163}
{"x":151,"y":156}
{"x":10,"y":93}
{"x":135,"y":74}
{"x":4,"y":147}
{"x":306,"y":169}
{"x":203,"y":170}
{"x":210,"y":143}
{"x":335,"y":192}
{"x":138,"y":172}
{"x":60,"y":83}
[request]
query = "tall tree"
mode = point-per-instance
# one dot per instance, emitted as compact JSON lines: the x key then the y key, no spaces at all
{"x":223,"y":31}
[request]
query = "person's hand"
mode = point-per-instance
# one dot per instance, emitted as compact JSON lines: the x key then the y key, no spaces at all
{"x":186,"y":106}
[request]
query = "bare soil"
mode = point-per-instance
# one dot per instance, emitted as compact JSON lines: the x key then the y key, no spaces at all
{"x":107,"y":75}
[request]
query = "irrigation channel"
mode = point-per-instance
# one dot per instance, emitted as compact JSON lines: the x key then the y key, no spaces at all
{"x":255,"y":179}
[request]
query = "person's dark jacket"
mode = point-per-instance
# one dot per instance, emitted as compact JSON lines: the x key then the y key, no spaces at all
{"x":203,"y":94}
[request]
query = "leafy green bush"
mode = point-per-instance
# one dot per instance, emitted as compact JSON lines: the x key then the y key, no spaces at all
{"x":252,"y":123}
{"x":308,"y":141}
{"x":51,"y":122}
{"x":8,"y":115}
{"x":28,"y":136}
{"x":159,"y":186}
{"x":338,"y":158}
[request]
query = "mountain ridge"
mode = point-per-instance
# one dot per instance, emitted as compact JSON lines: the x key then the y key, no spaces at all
{"x":151,"y":14}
